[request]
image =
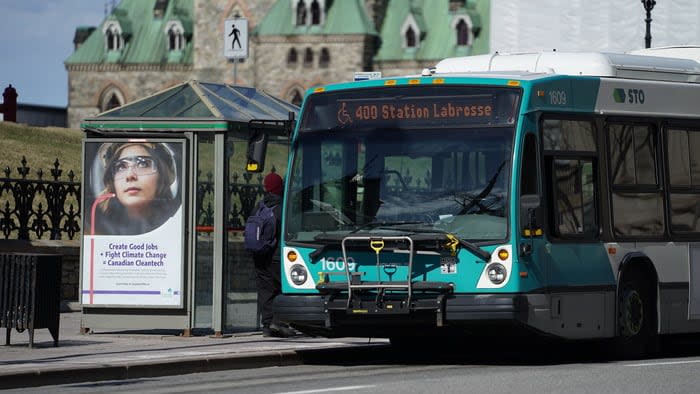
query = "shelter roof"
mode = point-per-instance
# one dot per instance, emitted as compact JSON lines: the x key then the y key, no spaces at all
{"x":204,"y":100}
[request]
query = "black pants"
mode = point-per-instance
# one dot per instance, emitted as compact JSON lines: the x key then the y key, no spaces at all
{"x":267,"y":281}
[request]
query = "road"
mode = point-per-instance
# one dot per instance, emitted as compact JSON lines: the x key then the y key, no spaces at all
{"x":579,"y":368}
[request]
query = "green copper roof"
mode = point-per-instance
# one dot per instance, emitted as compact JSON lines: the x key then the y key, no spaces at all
{"x":342,"y":17}
{"x":195,"y":99}
{"x":438,"y":38}
{"x":145,"y":37}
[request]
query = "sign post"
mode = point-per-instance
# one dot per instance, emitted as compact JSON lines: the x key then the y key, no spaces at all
{"x":236,"y":41}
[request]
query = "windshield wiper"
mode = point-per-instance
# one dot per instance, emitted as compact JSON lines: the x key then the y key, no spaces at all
{"x":383,"y":224}
{"x":484,"y":255}
{"x":323,"y":237}
{"x":476,"y":200}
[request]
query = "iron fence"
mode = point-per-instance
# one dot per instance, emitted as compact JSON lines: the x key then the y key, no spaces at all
{"x":38,"y":208}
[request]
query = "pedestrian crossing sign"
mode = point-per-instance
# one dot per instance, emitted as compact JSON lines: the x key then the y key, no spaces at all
{"x":236,"y":38}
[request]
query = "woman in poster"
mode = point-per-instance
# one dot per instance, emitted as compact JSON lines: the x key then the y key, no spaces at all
{"x":138,"y":194}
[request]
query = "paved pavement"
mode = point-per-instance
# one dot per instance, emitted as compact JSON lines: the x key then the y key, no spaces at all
{"x":136,"y":354}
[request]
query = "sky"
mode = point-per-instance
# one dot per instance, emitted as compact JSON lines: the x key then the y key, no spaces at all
{"x":36,"y":36}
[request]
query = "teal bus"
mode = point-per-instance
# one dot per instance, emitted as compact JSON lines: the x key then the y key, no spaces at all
{"x":550,"y":193}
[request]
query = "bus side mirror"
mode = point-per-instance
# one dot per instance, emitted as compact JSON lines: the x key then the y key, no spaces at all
{"x":257,"y":150}
{"x":530,"y":219}
{"x":531,"y":212}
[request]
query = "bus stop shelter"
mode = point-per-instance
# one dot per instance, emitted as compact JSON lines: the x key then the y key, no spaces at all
{"x":173,"y":259}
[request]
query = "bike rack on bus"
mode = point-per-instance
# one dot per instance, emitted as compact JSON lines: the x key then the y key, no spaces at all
{"x":354,"y":284}
{"x":377,"y":244}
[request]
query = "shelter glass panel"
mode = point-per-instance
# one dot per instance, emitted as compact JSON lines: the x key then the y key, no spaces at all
{"x":175,"y":105}
{"x":204,"y":237}
{"x":243,"y":191}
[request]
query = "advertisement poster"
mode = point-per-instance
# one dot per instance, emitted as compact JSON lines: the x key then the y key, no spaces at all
{"x":133,"y":223}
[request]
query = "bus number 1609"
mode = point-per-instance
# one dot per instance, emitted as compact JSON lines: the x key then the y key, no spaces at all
{"x":337,"y":264}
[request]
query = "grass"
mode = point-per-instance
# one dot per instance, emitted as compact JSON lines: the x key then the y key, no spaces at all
{"x":41,"y":146}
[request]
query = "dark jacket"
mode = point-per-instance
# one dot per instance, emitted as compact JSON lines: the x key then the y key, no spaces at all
{"x":273,"y":200}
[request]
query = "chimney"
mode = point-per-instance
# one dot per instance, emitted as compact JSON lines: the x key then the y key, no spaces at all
{"x":9,"y":105}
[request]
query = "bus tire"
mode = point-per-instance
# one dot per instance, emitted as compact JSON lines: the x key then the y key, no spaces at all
{"x":636,"y":336}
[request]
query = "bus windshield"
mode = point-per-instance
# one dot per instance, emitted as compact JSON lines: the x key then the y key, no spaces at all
{"x":404,"y":159}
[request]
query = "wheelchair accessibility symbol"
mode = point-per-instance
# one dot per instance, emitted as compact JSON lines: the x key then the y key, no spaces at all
{"x":343,"y":115}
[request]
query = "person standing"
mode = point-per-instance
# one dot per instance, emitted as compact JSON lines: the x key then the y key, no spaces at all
{"x":267,"y":262}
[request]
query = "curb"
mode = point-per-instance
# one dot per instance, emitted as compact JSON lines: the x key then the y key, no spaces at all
{"x":138,"y":370}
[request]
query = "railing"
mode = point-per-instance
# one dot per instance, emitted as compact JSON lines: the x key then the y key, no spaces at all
{"x":38,"y":208}
{"x":242,"y":196}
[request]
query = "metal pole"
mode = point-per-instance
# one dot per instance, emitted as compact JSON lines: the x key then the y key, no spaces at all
{"x":220,"y":234}
{"x":648,"y":6}
{"x":235,"y":70}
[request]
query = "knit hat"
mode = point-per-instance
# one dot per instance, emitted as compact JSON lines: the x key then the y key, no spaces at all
{"x":273,"y":183}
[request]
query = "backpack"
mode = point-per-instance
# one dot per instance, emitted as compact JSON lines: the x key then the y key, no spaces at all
{"x":260,"y":228}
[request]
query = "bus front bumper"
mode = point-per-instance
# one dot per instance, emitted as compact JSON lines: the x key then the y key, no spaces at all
{"x":328,"y":316}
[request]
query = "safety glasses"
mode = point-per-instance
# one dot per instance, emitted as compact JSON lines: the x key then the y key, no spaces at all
{"x":140,"y":165}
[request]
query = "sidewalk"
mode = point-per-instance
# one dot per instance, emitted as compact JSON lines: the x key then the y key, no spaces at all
{"x":129,"y":354}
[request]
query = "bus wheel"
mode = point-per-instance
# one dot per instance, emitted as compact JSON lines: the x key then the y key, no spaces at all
{"x":636,"y":335}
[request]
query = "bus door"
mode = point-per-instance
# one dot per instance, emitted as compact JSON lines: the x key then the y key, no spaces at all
{"x":695,"y":281}
{"x":577,"y":269}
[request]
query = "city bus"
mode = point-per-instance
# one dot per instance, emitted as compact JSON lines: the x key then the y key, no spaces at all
{"x":552,"y":193}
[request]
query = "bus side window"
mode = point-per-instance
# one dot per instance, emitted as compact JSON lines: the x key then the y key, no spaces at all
{"x":570,"y":163}
{"x":529,"y":179}
{"x":528,"y":175}
{"x":574,"y":197}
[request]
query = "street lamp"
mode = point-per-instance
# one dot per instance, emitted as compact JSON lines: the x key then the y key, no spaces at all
{"x":648,"y":6}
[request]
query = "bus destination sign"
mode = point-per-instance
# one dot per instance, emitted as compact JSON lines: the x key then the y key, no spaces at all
{"x":416,"y":111}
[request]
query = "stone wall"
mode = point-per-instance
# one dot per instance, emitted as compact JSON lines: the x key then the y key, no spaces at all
{"x":275,"y":75}
{"x":88,"y":85}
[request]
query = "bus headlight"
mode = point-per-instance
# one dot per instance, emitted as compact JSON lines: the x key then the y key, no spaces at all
{"x":298,"y":274}
{"x":497,"y":273}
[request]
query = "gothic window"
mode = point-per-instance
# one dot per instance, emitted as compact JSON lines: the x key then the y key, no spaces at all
{"x":111,"y":98}
{"x":324,"y":59}
{"x":112,"y":103}
{"x":462,"y":33}
{"x":315,"y":13}
{"x":296,"y":98}
{"x":308,"y":57}
{"x":292,"y":57}
{"x":410,"y":37}
{"x":176,"y":36}
{"x":456,"y":4}
{"x":301,"y":13}
{"x":113,"y":36}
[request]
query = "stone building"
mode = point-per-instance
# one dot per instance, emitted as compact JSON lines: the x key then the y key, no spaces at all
{"x":145,"y":46}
